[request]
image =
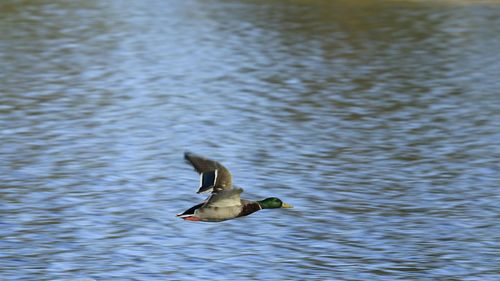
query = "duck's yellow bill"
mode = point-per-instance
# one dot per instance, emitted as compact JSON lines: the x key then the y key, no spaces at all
{"x":285,"y":205}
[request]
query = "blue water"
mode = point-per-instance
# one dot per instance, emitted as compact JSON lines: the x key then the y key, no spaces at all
{"x":378,"y":121}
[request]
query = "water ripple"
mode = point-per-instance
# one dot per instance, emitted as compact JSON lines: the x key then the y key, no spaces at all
{"x":378,"y":122}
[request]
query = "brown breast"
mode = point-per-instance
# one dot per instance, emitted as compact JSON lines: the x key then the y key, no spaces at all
{"x":248,"y":208}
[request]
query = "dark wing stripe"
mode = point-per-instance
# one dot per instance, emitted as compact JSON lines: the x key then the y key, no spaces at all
{"x":222,"y":179}
{"x":207,"y":181}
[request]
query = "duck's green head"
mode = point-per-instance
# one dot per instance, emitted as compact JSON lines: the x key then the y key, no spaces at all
{"x":273,"y":203}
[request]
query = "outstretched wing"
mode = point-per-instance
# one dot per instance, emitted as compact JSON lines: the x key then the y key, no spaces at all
{"x":224,"y":199}
{"x":213,"y":176}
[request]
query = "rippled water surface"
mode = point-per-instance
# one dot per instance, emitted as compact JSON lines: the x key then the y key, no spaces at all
{"x":378,"y":120}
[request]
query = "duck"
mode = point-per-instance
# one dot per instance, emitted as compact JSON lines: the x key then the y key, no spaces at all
{"x":224,"y":201}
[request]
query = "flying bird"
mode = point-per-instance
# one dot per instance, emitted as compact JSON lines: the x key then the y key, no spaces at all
{"x":224,"y":202}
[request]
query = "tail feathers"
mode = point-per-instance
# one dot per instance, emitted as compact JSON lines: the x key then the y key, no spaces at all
{"x":188,"y":217}
{"x":191,"y":218}
{"x":183,"y":215}
{"x":190,"y":211}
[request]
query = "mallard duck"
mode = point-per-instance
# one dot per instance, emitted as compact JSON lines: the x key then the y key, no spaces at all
{"x":224,"y":202}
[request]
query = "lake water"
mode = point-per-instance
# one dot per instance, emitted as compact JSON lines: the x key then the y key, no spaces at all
{"x":378,"y":120}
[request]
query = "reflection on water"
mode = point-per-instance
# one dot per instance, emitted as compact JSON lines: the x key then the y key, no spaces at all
{"x":378,"y":121}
